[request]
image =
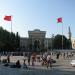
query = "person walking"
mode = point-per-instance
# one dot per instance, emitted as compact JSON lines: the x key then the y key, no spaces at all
{"x":0,"y":57}
{"x":8,"y":58}
{"x":29,"y":56}
{"x":49,"y":61}
{"x":33,"y":58}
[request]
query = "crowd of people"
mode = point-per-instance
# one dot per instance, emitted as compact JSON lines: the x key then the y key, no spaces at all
{"x":44,"y":58}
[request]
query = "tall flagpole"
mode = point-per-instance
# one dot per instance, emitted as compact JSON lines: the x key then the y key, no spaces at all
{"x":51,"y":44}
{"x":59,"y":20}
{"x":11,"y":30}
{"x":62,"y":36}
{"x":47,"y":44}
{"x":11,"y":23}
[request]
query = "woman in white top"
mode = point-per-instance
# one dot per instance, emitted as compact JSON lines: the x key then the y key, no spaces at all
{"x":49,"y":61}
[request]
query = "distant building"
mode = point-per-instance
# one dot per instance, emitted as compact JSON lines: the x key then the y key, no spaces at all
{"x":72,"y":40}
{"x":69,"y":33}
{"x":73,"y":43}
{"x":36,"y":41}
{"x":69,"y":37}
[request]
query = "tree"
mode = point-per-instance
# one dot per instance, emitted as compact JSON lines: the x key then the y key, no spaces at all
{"x":58,"y":42}
{"x":8,"y":41}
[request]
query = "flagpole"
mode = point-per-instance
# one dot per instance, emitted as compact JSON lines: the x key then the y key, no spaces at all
{"x":59,"y":20}
{"x":11,"y":23}
{"x":47,"y":44}
{"x":11,"y":30}
{"x":62,"y":36}
{"x":51,"y":42}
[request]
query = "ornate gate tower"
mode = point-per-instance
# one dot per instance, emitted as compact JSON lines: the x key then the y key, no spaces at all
{"x":36,"y":39}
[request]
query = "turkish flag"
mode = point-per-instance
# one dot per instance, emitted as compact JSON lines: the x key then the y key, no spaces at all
{"x":7,"y":18}
{"x":59,"y":20}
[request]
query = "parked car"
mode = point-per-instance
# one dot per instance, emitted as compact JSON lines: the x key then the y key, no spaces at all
{"x":72,"y":63}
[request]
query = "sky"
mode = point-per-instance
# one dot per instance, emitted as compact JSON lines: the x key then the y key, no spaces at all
{"x":38,"y":14}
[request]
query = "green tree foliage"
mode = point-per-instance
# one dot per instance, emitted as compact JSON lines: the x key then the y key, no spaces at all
{"x":8,"y":41}
{"x":58,"y":42}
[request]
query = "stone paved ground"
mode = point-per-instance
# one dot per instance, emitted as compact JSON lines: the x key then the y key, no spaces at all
{"x":61,"y":67}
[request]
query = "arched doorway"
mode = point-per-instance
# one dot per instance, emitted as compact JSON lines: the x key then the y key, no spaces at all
{"x":36,"y":45}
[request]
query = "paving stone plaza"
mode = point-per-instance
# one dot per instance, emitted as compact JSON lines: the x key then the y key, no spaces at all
{"x":61,"y":67}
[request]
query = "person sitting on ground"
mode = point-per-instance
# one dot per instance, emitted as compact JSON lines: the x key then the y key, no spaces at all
{"x":24,"y":64}
{"x":18,"y":65}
